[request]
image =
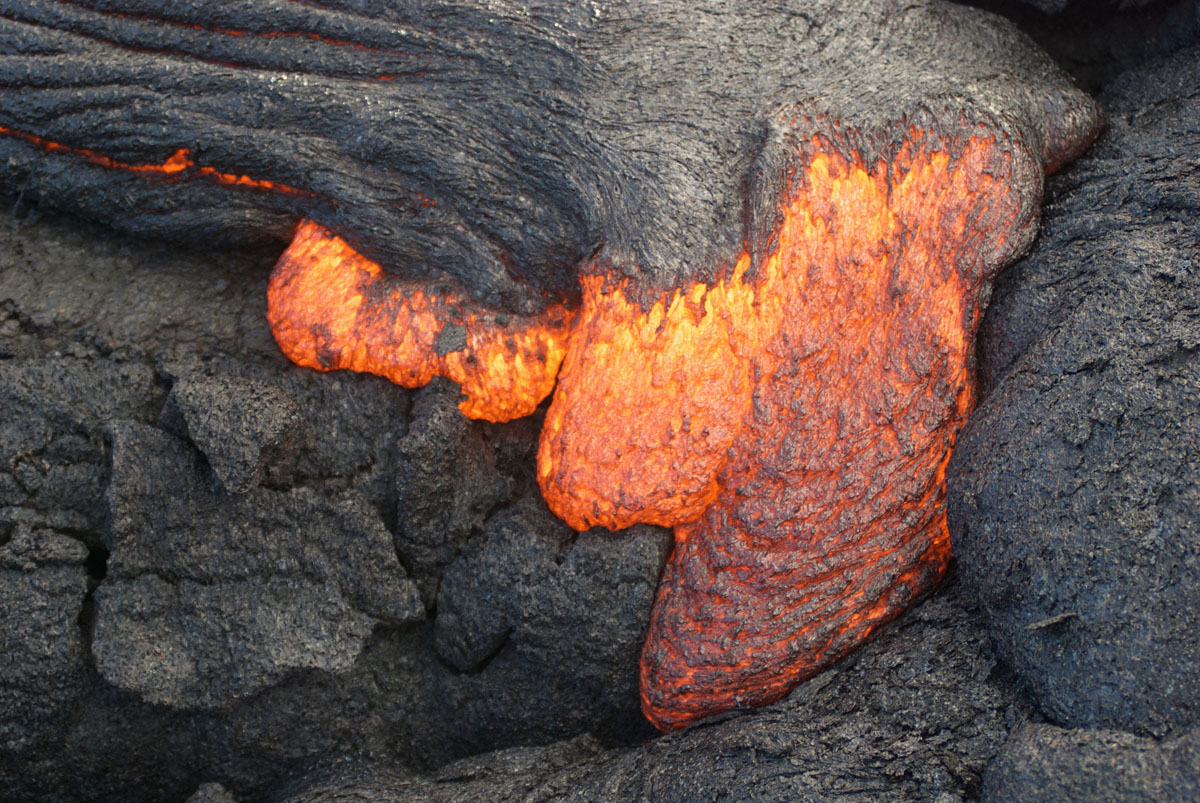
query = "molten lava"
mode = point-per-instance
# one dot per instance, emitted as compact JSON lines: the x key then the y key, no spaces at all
{"x":788,"y":411}
{"x":178,"y":166}
{"x":331,"y":308}
{"x":793,"y":426}
{"x":792,"y":422}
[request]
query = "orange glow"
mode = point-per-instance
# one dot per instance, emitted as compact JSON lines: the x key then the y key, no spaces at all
{"x":331,"y":308}
{"x":178,"y":165}
{"x":792,"y":423}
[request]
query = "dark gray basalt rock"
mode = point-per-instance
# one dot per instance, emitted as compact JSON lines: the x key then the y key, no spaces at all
{"x":536,"y":630}
{"x":210,"y":597}
{"x":916,"y":714}
{"x":43,"y":581}
{"x":1095,"y":41}
{"x":244,"y":428}
{"x":1042,"y":762}
{"x":53,"y":453}
{"x":432,"y":527}
{"x":547,"y":625}
{"x":398,"y":699}
{"x":1074,"y":492}
{"x":1059,"y":6}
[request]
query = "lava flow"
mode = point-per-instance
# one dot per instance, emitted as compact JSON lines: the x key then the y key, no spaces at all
{"x":331,"y":308}
{"x":793,"y":427}
{"x":788,"y":411}
{"x":792,"y":423}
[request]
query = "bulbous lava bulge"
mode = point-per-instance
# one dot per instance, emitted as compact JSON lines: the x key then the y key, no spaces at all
{"x":746,"y":247}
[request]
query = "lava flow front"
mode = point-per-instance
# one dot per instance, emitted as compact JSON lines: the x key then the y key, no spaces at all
{"x":792,"y":421}
{"x":793,"y":427}
{"x":331,"y":308}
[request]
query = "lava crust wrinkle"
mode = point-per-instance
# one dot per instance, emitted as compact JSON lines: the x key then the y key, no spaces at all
{"x":743,"y":246}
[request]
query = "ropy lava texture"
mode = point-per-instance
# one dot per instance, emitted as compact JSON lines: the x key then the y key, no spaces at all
{"x":744,"y":251}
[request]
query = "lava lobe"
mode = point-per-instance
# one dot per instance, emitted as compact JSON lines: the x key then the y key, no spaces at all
{"x":793,"y":427}
{"x":744,"y":246}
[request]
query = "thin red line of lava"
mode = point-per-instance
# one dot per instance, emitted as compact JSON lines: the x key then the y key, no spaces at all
{"x":178,"y":166}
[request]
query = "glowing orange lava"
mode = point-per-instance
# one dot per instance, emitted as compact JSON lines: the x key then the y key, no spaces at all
{"x":791,"y":420}
{"x":792,"y":415}
{"x":793,"y":426}
{"x":178,"y":165}
{"x":331,"y":308}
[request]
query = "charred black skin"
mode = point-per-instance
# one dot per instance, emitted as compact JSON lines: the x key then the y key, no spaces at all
{"x":496,"y":146}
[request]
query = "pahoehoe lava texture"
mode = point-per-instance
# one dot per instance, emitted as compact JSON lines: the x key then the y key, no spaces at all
{"x":491,"y":143}
{"x":1076,"y":487}
{"x":758,"y":239}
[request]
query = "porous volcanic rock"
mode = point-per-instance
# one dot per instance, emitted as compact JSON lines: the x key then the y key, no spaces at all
{"x":547,"y":624}
{"x":775,"y":240}
{"x":1075,"y":489}
{"x":97,"y":334}
{"x":915,"y":715}
{"x":53,"y":450}
{"x":1042,"y":762}
{"x":53,"y":474}
{"x":244,"y":428}
{"x":43,"y":581}
{"x":211,"y":597}
{"x":97,"y":329}
{"x":431,"y":526}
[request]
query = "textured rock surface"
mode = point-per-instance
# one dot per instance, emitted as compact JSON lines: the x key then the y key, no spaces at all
{"x":551,"y":621}
{"x":211,"y":597}
{"x":1097,"y":41}
{"x":777,"y":239}
{"x":656,"y":133}
{"x":42,"y":587}
{"x":96,"y":330}
{"x":53,"y":476}
{"x":53,"y":470}
{"x":443,"y":444}
{"x":1075,"y":490}
{"x":915,"y":715}
{"x":1042,"y":762}
{"x":245,"y":429}
{"x":109,"y":309}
